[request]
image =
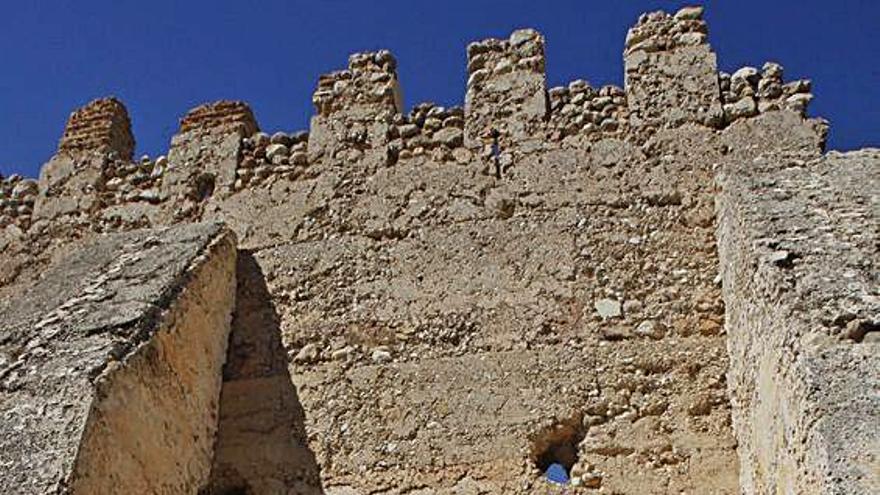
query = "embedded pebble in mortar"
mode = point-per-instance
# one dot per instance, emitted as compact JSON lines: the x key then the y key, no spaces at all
{"x":608,"y":308}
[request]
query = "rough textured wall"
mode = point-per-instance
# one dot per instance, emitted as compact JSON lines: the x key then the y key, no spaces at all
{"x":17,"y":196}
{"x":71,"y":182}
{"x":101,"y":125}
{"x":110,"y":365}
{"x":204,"y":157}
{"x":261,"y":444}
{"x":445,"y":323}
{"x":426,"y":306}
{"x":671,"y":72}
{"x":354,"y":109}
{"x":506,"y":90}
{"x":441,"y":321}
{"x":798,"y":236}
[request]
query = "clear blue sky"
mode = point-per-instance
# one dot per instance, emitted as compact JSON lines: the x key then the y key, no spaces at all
{"x":163,"y":57}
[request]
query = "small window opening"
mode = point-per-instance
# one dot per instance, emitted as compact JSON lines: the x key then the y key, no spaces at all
{"x":555,"y":450}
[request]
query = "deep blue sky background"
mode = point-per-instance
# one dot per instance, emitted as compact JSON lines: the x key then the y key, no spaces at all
{"x":163,"y":57}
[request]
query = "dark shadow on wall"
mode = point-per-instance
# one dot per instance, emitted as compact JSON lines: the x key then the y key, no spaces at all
{"x":261,"y":443}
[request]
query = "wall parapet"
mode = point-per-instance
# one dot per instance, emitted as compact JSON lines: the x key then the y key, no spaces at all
{"x":671,"y":78}
{"x":264,"y":156}
{"x":506,"y":89}
{"x":17,"y":197}
{"x":354,"y":108}
{"x":71,"y":182}
{"x":579,"y":109}
{"x":671,"y":73}
{"x":659,"y":31}
{"x":369,"y":83}
{"x":225,"y":115}
{"x":749,"y":91}
{"x":102,"y":125}
{"x":204,"y":156}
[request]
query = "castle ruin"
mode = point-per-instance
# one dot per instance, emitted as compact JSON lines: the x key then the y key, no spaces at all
{"x":665,"y":288}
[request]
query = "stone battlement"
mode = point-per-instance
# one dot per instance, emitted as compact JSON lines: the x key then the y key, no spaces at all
{"x":102,"y":125}
{"x":671,"y":79}
{"x":659,"y":31}
{"x":506,"y":89}
{"x":369,"y":82}
{"x":222,"y":114}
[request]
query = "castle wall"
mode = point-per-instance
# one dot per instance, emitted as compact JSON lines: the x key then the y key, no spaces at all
{"x":71,"y":182}
{"x":431,"y":300}
{"x":578,"y":110}
{"x":353,"y":111}
{"x":102,"y":125}
{"x":110,"y":366}
{"x":441,"y":300}
{"x":671,"y":71}
{"x":262,"y":443}
{"x":204,"y":157}
{"x":91,"y":182}
{"x":506,"y":91}
{"x":797,"y":236}
{"x":17,"y":197}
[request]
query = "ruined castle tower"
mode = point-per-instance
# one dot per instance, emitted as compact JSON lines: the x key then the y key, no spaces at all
{"x":669,"y":287}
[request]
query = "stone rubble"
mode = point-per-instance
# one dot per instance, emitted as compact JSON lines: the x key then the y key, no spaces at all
{"x":748,"y":92}
{"x":580,"y":109}
{"x":17,"y":196}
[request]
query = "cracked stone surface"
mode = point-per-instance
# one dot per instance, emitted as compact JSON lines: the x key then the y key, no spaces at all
{"x":798,"y":238}
{"x":89,"y":319}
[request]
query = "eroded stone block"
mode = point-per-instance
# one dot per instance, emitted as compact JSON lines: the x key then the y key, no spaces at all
{"x":797,"y":240}
{"x":110,"y":370}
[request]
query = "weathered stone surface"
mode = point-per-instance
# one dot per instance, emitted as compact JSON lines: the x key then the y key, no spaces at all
{"x":798,"y":242}
{"x":426,"y":270}
{"x":671,"y":79}
{"x":416,"y":310}
{"x":506,"y":90}
{"x":204,"y":158}
{"x":608,"y":308}
{"x":228,"y":114}
{"x":96,"y":137}
{"x":354,"y":108}
{"x":101,"y":126}
{"x":110,"y":374}
{"x":262,"y":443}
{"x":69,"y":186}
